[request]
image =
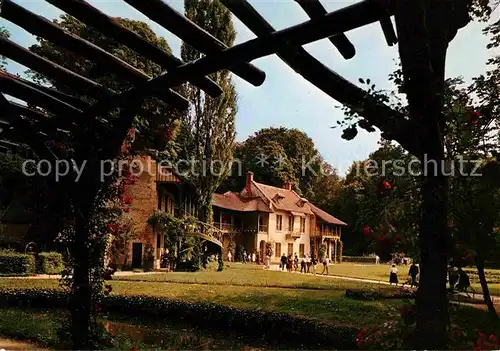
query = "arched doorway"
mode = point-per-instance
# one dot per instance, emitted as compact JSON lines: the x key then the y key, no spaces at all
{"x":262,"y":247}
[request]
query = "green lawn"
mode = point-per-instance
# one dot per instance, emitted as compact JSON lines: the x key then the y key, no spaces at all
{"x":327,"y":304}
{"x":242,"y":274}
{"x":246,"y":287}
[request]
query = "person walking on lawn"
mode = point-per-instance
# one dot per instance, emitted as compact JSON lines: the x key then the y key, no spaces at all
{"x":303,"y":265}
{"x":393,"y":275}
{"x":283,"y":262}
{"x":413,"y":272}
{"x":308,"y":263}
{"x":314,"y":262}
{"x":326,"y":262}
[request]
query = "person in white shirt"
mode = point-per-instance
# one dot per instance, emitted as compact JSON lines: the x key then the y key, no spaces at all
{"x":229,"y":256}
{"x":308,"y":263}
{"x":393,"y":277}
{"x":326,"y":262}
{"x":377,"y":259}
{"x":253,"y":257}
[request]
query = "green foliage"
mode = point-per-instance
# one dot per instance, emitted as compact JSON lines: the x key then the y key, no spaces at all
{"x":5,"y":34}
{"x":12,"y":263}
{"x":359,"y":259}
{"x":207,"y":130}
{"x":204,"y":315}
{"x":340,"y":254}
{"x":156,"y":116}
{"x":49,"y":263}
{"x":276,"y":155}
{"x":322,"y":252}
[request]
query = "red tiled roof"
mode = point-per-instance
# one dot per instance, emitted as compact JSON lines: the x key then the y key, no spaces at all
{"x":326,"y":216}
{"x":235,"y":202}
{"x":282,"y":199}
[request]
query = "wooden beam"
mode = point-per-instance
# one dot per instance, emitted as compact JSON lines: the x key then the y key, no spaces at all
{"x":42,"y":27}
{"x":20,"y":90}
{"x":71,"y":100}
{"x":22,"y":126}
{"x":314,"y":9}
{"x":29,"y":112}
{"x":324,"y":78}
{"x":51,"y":70}
{"x":389,"y":33}
{"x":343,"y":20}
{"x":194,"y":35}
{"x":88,"y":14}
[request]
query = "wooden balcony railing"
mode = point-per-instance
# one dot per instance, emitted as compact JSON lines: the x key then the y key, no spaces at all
{"x":263,"y":228}
{"x":325,"y":233}
{"x":226,"y":227}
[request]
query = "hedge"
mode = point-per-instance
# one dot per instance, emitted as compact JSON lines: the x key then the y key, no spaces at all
{"x":370,"y":294}
{"x":273,"y":327}
{"x":12,"y":263}
{"x":358,"y":259}
{"x":49,"y":263}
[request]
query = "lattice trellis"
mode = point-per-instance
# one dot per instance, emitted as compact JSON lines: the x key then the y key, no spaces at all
{"x":35,"y":128}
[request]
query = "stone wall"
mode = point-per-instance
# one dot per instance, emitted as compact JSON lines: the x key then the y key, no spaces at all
{"x":145,"y":197}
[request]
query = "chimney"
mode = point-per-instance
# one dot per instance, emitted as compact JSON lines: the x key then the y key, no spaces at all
{"x":287,"y":185}
{"x":248,"y":184}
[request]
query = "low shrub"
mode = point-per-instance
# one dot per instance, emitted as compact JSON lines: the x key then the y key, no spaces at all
{"x":12,"y":263}
{"x":49,"y":263}
{"x":358,"y":259}
{"x":371,"y":294}
{"x":274,"y":327}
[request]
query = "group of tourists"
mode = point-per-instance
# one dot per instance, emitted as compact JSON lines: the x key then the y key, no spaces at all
{"x":307,"y":263}
{"x":412,"y":275}
{"x":457,"y":278}
{"x":245,"y":257}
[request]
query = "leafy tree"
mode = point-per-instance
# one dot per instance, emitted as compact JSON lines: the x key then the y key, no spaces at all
{"x":3,"y":33}
{"x":380,"y":193}
{"x":207,"y":130}
{"x":276,"y":155}
{"x":156,"y":125}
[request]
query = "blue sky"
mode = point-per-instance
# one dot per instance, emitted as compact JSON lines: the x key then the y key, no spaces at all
{"x":285,"y":98}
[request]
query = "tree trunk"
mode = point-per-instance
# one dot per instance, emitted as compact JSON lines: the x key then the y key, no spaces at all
{"x":486,"y":290}
{"x":432,"y":301}
{"x":81,"y":299}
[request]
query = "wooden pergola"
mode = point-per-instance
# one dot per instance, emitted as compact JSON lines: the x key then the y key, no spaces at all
{"x":424,"y":28}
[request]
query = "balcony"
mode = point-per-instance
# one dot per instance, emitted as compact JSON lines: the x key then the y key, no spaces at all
{"x":226,"y":227}
{"x":326,"y":234}
{"x":263,"y":228}
{"x":294,"y":235}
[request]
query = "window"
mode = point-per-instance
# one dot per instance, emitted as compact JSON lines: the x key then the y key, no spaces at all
{"x":301,"y":250}
{"x":290,"y":223}
{"x":277,"y":250}
{"x":302,"y":225}
{"x":279,"y":222}
{"x":290,"y":249}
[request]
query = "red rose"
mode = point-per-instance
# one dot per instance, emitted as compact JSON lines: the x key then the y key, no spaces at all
{"x":367,"y":230}
{"x":387,"y":185}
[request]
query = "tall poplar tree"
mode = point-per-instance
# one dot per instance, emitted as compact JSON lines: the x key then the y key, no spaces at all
{"x":207,"y":129}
